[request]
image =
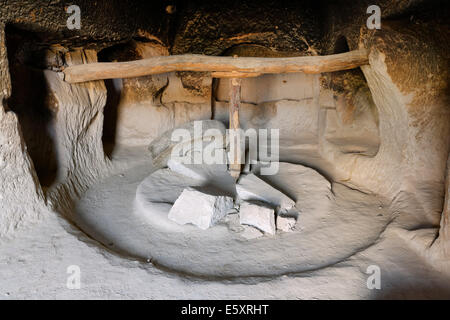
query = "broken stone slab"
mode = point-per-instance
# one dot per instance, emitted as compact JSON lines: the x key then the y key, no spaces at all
{"x":204,"y":150}
{"x":285,"y":224}
{"x":252,"y":188}
{"x":196,"y":171}
{"x":199,"y":208}
{"x":215,"y":176}
{"x":201,"y":131}
{"x":232,"y":221}
{"x":257,"y":215}
{"x":187,"y":170}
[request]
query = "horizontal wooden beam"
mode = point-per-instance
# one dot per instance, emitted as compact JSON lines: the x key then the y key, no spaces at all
{"x":217,"y":65}
{"x":234,"y":74}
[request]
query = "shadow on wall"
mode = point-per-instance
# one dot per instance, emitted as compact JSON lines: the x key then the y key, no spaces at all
{"x":110,"y":115}
{"x":119,"y":52}
{"x":341,"y":45}
{"x":31,"y":101}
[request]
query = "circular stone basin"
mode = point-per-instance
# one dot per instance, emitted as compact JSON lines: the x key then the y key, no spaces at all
{"x":128,"y":213}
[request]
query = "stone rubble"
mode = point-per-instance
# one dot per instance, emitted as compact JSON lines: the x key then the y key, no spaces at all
{"x":252,"y":188}
{"x":232,"y":222}
{"x":285,"y":224}
{"x":258,"y":216}
{"x":260,"y":209}
{"x":200,"y":209}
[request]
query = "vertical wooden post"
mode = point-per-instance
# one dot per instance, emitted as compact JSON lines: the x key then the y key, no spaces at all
{"x":235,"y":102}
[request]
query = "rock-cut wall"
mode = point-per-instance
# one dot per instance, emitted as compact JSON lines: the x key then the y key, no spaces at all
{"x":77,"y":131}
{"x":21,"y":197}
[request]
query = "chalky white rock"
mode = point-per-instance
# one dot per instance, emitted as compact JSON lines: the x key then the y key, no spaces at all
{"x":200,"y":209}
{"x":252,"y":188}
{"x":258,"y":216}
{"x":285,"y":224}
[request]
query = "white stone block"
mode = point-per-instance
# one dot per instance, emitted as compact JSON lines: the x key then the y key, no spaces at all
{"x":258,"y":216}
{"x":200,"y":209}
{"x":286,"y":224}
{"x":252,"y":188}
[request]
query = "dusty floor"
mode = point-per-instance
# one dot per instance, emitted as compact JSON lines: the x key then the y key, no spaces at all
{"x":34,"y":265}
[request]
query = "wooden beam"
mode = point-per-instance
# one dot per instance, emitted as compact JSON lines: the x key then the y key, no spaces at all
{"x":215,"y":64}
{"x":234,"y":75}
{"x":235,"y":102}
